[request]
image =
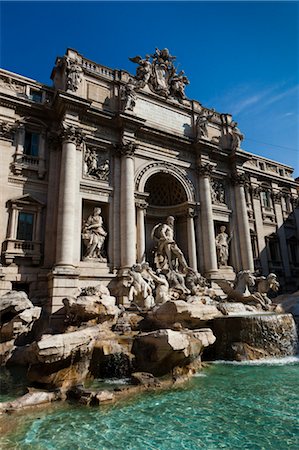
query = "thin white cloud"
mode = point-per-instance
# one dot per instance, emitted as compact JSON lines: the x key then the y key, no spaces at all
{"x":282,"y":95}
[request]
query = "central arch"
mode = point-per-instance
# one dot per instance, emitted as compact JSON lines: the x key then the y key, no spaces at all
{"x":163,"y":189}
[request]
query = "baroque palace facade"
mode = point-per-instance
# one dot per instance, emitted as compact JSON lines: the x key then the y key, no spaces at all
{"x":90,"y":166}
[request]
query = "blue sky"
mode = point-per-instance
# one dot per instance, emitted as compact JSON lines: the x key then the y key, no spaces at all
{"x":240,"y":57}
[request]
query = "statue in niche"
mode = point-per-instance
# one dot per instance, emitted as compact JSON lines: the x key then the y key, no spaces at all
{"x":167,"y":254}
{"x":93,"y":235}
{"x":222,"y":246}
{"x":128,"y":95}
{"x":202,"y":122}
{"x":217,"y":192}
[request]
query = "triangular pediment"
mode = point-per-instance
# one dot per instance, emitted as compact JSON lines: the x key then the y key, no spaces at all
{"x":26,"y":199}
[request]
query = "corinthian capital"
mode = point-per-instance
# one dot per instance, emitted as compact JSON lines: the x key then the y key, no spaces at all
{"x":206,"y":169}
{"x":7,"y":130}
{"x":127,"y":148}
{"x":70,"y":133}
{"x":239,"y":178}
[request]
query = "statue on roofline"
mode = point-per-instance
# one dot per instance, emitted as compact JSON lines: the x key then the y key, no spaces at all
{"x":158,"y":72}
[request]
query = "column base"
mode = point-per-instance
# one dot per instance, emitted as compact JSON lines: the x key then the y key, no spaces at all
{"x":227,"y":273}
{"x":63,"y":281}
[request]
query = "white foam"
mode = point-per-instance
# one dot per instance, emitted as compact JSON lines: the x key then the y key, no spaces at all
{"x":200,"y":374}
{"x":261,"y":362}
{"x":115,"y":380}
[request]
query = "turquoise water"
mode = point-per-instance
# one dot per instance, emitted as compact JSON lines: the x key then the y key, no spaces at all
{"x":230,"y":406}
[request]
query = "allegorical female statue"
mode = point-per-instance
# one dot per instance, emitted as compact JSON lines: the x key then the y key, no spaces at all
{"x":93,"y":235}
{"x":222,"y":246}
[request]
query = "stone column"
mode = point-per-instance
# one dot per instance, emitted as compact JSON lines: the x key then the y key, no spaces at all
{"x":260,"y":229}
{"x":20,"y":141}
{"x":191,"y":239}
{"x":41,"y":156}
{"x":209,"y":246}
{"x":281,"y":234}
{"x":243,"y":223}
{"x":12,"y":230}
{"x":141,"y":212}
{"x":71,"y":137}
{"x":127,"y":206}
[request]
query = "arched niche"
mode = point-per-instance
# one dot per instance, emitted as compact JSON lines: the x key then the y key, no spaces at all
{"x":166,"y":195}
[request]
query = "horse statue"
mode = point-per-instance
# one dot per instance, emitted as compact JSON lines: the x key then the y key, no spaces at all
{"x":245,"y":283}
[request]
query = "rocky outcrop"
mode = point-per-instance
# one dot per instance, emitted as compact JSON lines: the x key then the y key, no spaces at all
{"x":17,"y":318}
{"x":32,"y":399}
{"x":20,"y":324}
{"x":253,"y":336}
{"x":158,"y":352}
{"x":289,"y":303}
{"x":189,"y":315}
{"x":12,"y":303}
{"x":62,"y":360}
{"x":88,"y":307}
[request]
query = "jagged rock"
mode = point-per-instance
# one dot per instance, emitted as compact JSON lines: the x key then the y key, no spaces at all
{"x":158,"y":352}
{"x":145,"y":379}
{"x":62,"y":360}
{"x":289,"y":303}
{"x":57,"y":347}
{"x":190,"y":315}
{"x":230,"y":309}
{"x":111,"y":357}
{"x":22,"y":323}
{"x":85,"y":308}
{"x":105,"y":396}
{"x":254,"y":336}
{"x":6,"y":350}
{"x":12,"y":303}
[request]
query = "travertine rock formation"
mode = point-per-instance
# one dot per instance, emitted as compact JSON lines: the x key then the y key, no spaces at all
{"x":190,"y":315}
{"x":158,"y":352}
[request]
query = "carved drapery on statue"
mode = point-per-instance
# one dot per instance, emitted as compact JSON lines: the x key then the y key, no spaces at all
{"x":167,"y":254}
{"x":222,"y":246}
{"x":94,"y":235}
{"x":67,"y":74}
{"x":158,"y":72}
{"x":232,"y":136}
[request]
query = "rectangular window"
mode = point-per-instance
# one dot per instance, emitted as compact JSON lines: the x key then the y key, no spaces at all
{"x":36,"y":96}
{"x":25,"y":226}
{"x":31,"y":143}
{"x":266,"y":201}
